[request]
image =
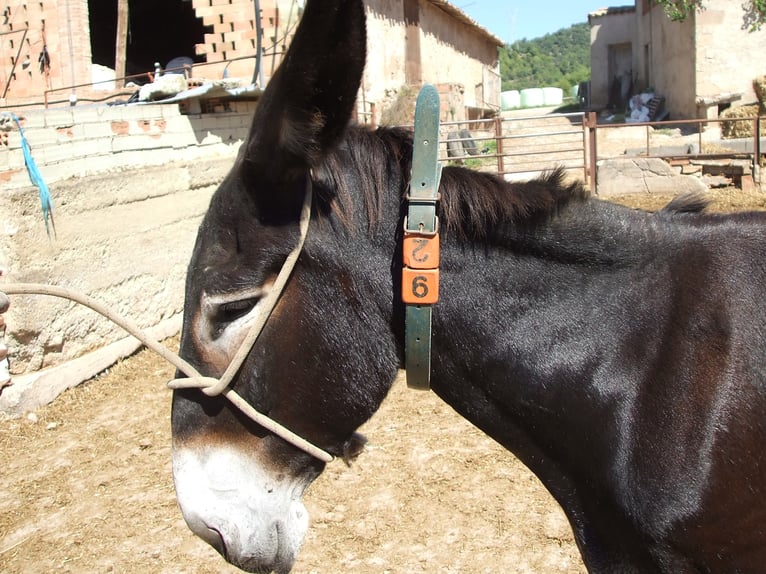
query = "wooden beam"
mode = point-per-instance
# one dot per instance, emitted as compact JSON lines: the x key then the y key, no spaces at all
{"x":121,"y":46}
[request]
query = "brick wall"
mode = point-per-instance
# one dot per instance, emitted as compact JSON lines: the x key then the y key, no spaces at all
{"x":234,"y":33}
{"x":30,"y":27}
{"x":63,"y":26}
{"x":452,"y":50}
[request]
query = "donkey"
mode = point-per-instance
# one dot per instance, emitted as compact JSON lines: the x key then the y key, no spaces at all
{"x":619,"y":354}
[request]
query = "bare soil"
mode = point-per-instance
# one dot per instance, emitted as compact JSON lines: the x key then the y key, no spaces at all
{"x":85,"y":486}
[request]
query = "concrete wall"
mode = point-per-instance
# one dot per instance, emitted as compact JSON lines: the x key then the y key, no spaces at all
{"x":85,"y":140}
{"x":125,"y":225}
{"x":385,"y":74}
{"x":607,"y":29}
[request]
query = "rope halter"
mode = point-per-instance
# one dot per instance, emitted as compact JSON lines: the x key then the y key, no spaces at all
{"x":208,"y":385}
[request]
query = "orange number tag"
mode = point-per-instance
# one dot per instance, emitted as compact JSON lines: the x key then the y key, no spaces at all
{"x":420,"y":286}
{"x":421,"y":251}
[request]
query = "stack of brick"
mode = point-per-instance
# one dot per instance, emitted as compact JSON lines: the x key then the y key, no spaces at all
{"x":234,"y":33}
{"x":28,"y":29}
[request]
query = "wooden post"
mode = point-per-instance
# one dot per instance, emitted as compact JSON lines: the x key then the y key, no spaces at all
{"x":121,"y":45}
{"x":593,"y":124}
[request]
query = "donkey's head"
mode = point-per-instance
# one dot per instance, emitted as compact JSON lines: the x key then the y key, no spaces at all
{"x":239,"y":486}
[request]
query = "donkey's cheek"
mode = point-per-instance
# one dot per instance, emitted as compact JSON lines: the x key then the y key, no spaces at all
{"x":250,"y":513}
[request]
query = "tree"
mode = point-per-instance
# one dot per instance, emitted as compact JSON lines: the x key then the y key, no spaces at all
{"x":561,"y":59}
{"x":678,"y":10}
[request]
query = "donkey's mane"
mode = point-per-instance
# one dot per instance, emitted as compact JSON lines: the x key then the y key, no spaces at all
{"x":471,"y":201}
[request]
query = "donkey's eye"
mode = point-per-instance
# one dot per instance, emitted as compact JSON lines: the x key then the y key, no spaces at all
{"x":229,"y":312}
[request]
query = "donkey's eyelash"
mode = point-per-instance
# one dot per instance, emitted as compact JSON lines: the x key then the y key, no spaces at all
{"x":230,"y":312}
{"x":216,"y":301}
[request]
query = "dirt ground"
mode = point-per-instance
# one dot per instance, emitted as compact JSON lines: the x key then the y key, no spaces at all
{"x":85,"y":486}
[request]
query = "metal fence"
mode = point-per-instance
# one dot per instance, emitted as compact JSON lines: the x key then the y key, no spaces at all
{"x":521,"y":147}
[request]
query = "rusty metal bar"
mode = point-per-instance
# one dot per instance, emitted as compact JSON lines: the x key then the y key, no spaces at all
{"x":585,"y":130}
{"x":592,"y":124}
{"x":499,"y":140}
{"x":16,"y":59}
{"x":133,"y":76}
{"x":757,"y":149}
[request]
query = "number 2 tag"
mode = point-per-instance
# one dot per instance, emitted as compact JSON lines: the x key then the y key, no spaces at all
{"x":420,"y":276}
{"x":421,"y":251}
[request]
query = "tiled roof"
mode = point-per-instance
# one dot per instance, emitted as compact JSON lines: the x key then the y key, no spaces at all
{"x":611,"y":11}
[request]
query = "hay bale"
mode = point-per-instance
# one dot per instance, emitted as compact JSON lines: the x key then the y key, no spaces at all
{"x":742,"y":128}
{"x":759,"y":85}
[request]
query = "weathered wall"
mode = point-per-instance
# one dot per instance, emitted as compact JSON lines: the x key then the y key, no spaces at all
{"x":384,"y":74}
{"x":606,"y":30}
{"x":452,"y":49}
{"x":234,"y":35}
{"x":452,"y":53}
{"x":125,"y":226}
{"x":449,"y":51}
{"x":670,"y":47}
{"x":728,"y":57}
{"x":84,"y":140}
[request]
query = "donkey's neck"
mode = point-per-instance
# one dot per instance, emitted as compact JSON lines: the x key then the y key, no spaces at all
{"x":529,"y":322}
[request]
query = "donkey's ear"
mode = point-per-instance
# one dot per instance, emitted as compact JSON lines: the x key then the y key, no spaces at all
{"x":309,"y":101}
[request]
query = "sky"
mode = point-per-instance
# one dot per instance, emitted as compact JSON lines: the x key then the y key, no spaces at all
{"x":512,"y":20}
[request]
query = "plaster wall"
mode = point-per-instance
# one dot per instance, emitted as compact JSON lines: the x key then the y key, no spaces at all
{"x":605,"y":31}
{"x":386,"y":50}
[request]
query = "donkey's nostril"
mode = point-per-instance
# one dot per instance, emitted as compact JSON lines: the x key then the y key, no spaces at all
{"x":214,"y":538}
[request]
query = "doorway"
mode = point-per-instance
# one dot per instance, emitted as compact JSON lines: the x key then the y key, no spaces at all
{"x":158,"y":31}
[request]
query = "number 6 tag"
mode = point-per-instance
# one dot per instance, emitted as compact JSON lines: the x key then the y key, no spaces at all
{"x":420,"y":286}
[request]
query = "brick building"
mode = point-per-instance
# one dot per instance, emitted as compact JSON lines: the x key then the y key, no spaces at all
{"x":54,"y":50}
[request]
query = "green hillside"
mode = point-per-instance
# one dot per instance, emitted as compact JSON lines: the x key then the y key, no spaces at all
{"x":561,"y":59}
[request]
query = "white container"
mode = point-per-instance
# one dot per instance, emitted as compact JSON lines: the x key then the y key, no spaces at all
{"x":553,"y":96}
{"x":532,"y":98}
{"x":510,"y":100}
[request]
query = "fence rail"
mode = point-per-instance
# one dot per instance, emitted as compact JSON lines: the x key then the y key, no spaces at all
{"x":523,"y":146}
{"x":516,"y":147}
